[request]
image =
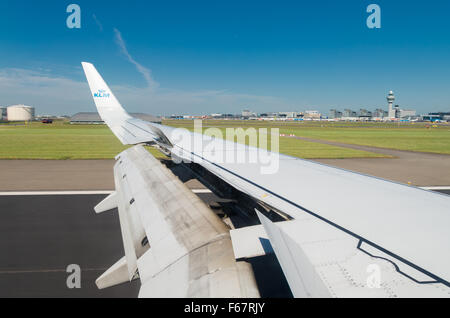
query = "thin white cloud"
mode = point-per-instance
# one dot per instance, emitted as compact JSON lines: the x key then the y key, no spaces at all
{"x":197,"y":102}
{"x":146,"y":73}
{"x":59,"y":95}
{"x":97,"y":21}
{"x":49,"y":94}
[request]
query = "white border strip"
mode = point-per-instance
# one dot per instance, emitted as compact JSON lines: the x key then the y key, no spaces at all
{"x":201,"y":191}
{"x":42,"y":193}
{"x":30,"y":193}
{"x":436,"y":188}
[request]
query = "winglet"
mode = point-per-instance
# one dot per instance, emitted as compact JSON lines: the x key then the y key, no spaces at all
{"x":107,"y":104}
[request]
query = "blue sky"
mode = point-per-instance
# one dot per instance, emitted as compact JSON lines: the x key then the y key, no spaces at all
{"x":223,"y":56}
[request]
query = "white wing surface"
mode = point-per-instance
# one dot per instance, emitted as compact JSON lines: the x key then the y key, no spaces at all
{"x":129,"y":130}
{"x":172,"y":240}
{"x":320,"y":260}
{"x":403,"y":227}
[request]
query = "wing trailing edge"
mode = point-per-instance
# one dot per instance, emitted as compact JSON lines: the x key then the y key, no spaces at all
{"x":173,"y":242}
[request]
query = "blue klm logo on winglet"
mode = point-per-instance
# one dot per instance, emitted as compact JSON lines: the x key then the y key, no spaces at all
{"x":101,"y":93}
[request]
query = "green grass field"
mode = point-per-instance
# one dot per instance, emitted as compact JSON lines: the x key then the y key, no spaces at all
{"x":59,"y":141}
{"x":289,"y":146}
{"x":64,"y":141}
{"x":421,"y":137}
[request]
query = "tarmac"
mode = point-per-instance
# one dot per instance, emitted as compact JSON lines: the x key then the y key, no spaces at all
{"x":58,"y":175}
{"x":41,"y":235}
{"x":415,"y":168}
{"x":42,"y":232}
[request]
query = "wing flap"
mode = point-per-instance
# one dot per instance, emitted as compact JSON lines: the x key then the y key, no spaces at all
{"x":116,"y":275}
{"x":109,"y":203}
{"x":189,"y":250}
{"x":319,"y":260}
{"x":250,"y":242}
{"x":406,"y":222}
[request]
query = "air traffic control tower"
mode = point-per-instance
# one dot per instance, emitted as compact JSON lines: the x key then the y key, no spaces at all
{"x":391,"y":99}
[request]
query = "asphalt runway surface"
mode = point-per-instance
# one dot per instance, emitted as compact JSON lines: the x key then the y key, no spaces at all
{"x":419,"y":169}
{"x":41,"y":235}
{"x":409,"y":167}
{"x":56,"y":175}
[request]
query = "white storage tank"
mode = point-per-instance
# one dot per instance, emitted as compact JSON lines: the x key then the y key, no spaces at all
{"x":20,"y":113}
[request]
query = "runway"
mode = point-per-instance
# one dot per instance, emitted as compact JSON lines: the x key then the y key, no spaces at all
{"x":419,"y":169}
{"x":43,"y":231}
{"x":41,"y":235}
{"x":59,"y":175}
{"x":410,"y":167}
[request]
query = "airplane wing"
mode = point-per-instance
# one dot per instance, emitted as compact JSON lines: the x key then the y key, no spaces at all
{"x":172,"y":242}
{"x":345,"y":234}
{"x":128,"y":130}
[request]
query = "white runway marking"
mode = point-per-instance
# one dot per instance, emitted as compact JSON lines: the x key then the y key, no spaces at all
{"x":51,"y":271}
{"x":201,"y":191}
{"x":436,"y":188}
{"x":30,"y":193}
{"x":42,"y":193}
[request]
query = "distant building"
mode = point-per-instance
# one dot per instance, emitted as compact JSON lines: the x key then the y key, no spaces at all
{"x":94,"y":118}
{"x":86,"y":118}
{"x":349,"y":113}
{"x":405,"y":113}
{"x":288,"y":114}
{"x":441,"y":116}
{"x":247,"y":114}
{"x":335,"y":114}
{"x":176,"y":117}
{"x":312,"y":114}
{"x":395,"y":112}
{"x":268,"y":115}
{"x":224,"y":116}
{"x":365,"y":113}
{"x":379,"y":113}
